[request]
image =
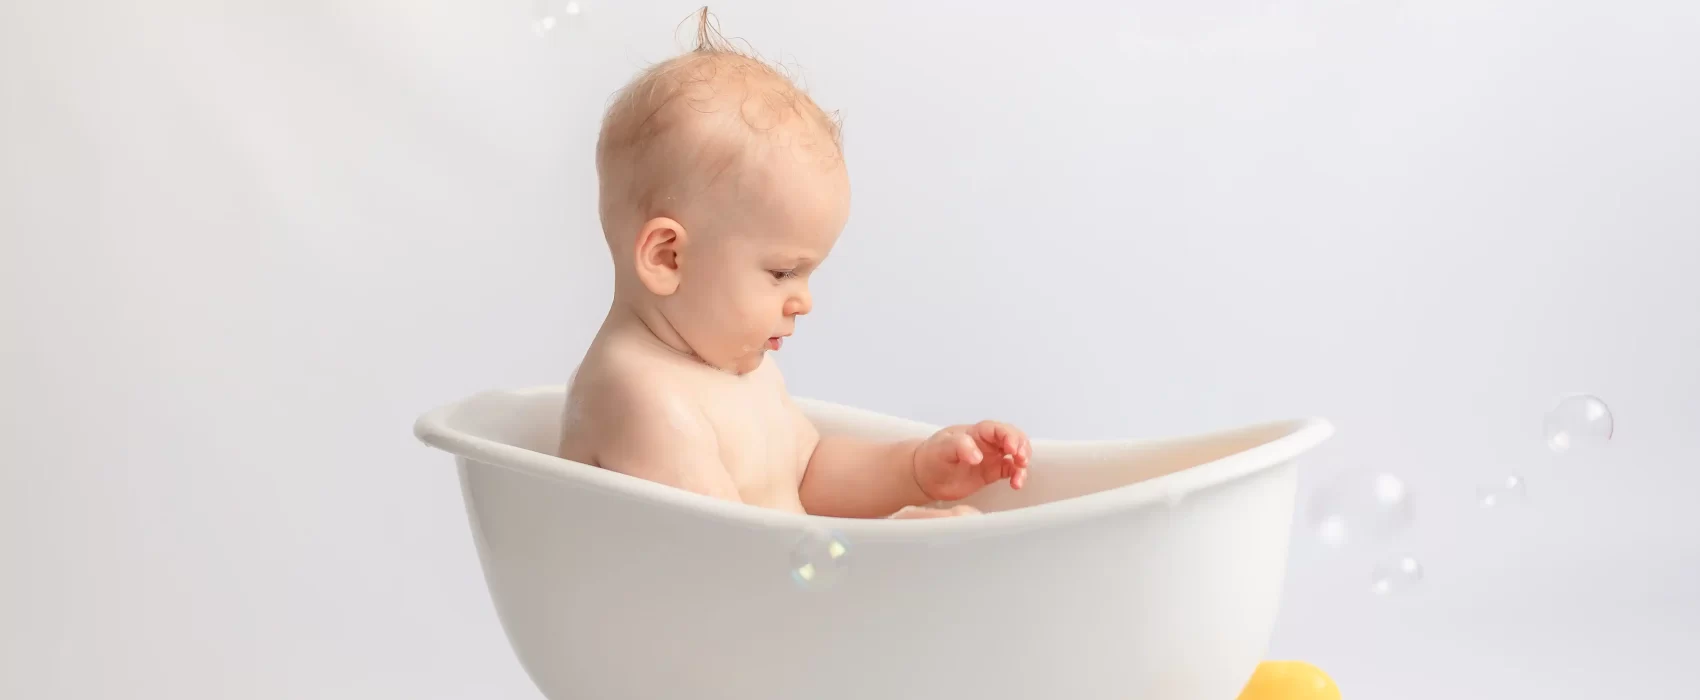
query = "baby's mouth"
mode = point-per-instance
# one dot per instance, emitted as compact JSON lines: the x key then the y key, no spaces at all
{"x":774,"y":342}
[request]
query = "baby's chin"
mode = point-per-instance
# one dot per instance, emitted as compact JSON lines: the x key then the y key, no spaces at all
{"x":747,"y":362}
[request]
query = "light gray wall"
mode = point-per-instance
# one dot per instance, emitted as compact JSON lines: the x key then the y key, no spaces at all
{"x":243,"y":245}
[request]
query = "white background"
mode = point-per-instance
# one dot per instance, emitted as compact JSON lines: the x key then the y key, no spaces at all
{"x":243,"y":245}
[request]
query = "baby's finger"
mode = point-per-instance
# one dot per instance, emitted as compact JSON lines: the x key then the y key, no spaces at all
{"x":998,"y":435}
{"x":1019,"y":479}
{"x":966,"y":451}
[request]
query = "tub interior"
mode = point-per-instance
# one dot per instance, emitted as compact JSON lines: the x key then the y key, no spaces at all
{"x":1061,"y":470}
{"x":529,"y":420}
{"x":1065,"y":470}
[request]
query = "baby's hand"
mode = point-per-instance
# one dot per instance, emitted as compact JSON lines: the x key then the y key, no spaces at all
{"x":960,"y":460}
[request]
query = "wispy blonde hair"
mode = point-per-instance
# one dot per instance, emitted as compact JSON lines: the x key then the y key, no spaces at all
{"x":670,"y":128}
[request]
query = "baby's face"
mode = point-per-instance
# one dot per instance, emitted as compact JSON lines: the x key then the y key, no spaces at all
{"x":747,"y":281}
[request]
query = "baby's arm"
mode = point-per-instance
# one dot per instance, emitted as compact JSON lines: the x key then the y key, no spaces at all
{"x":854,"y":478}
{"x":851,"y":478}
{"x":655,"y":437}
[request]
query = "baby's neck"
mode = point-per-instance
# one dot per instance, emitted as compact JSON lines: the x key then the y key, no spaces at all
{"x":647,"y":327}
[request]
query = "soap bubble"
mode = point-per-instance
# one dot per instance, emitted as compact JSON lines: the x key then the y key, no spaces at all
{"x":1507,"y":491}
{"x":1579,"y":421}
{"x":1395,"y":575}
{"x":820,"y":560}
{"x":547,"y":15}
{"x":1360,"y":506}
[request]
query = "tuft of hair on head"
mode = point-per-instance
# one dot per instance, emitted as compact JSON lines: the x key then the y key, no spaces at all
{"x":713,"y":50}
{"x":709,"y":38}
{"x":693,"y":118}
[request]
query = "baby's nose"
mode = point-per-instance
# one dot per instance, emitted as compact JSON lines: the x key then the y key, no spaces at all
{"x":798,"y":305}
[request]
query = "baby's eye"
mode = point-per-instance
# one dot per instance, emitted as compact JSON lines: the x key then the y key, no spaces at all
{"x":783,"y":274}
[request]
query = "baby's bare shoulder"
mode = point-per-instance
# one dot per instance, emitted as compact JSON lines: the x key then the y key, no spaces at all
{"x":645,"y":422}
{"x":620,"y":393}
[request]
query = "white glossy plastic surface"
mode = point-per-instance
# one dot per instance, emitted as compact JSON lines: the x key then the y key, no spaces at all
{"x":1126,"y":569}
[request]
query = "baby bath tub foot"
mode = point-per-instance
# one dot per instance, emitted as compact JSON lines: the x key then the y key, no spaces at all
{"x":1289,"y":680}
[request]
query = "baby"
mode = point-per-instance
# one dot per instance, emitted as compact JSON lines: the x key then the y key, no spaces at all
{"x":723,"y":187}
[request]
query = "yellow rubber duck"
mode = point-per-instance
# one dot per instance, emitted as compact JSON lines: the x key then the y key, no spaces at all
{"x":1289,"y":680}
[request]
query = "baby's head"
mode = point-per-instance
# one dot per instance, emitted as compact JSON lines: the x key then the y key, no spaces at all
{"x":722,"y":188}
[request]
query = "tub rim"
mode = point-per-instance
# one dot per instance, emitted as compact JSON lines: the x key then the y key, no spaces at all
{"x":1300,"y":435}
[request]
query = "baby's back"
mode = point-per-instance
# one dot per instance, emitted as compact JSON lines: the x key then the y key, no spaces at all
{"x":645,"y":411}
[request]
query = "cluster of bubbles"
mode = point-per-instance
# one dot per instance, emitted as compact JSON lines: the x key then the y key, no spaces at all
{"x":1365,"y":508}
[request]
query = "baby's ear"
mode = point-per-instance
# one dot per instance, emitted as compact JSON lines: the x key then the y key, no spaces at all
{"x":657,"y":255}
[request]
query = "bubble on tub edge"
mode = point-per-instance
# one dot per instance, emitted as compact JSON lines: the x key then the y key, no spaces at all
{"x":820,"y":559}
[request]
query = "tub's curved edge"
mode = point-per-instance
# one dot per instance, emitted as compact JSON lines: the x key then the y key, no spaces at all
{"x":432,"y":429}
{"x":1309,"y":433}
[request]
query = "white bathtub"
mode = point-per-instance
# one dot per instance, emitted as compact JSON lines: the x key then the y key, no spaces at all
{"x":1125,"y":570}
